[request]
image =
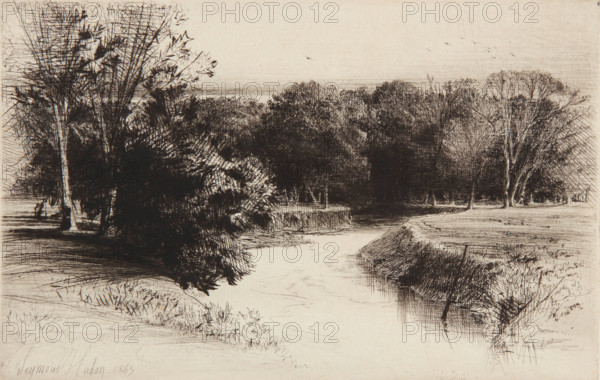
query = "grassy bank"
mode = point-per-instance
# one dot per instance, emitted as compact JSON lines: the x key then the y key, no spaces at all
{"x":400,"y":258}
{"x":181,"y":311}
{"x":303,"y":218}
{"x":503,"y":281}
{"x":91,"y":274}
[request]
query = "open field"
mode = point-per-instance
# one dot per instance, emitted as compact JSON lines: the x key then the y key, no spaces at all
{"x":553,"y":228}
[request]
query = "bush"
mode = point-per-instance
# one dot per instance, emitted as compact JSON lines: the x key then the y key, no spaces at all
{"x":188,"y":204}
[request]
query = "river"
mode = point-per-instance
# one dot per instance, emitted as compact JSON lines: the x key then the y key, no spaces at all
{"x":367,"y":327}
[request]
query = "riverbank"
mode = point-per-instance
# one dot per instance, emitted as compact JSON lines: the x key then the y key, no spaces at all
{"x":76,"y":305}
{"x":521,"y":266}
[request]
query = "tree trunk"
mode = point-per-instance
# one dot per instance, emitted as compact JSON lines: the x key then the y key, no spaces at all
{"x":523,"y":186}
{"x":521,"y":193}
{"x":294,"y":196}
{"x":430,"y":197}
{"x":103,"y":217}
{"x":506,"y":188}
{"x":471,"y":204}
{"x":106,"y":226}
{"x":107,"y":209}
{"x":326,"y":196}
{"x":39,"y":209}
{"x":69,"y":222}
{"x":506,"y":170}
{"x":513,"y":191}
{"x":312,"y":195}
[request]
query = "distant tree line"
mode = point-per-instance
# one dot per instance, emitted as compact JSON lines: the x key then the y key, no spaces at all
{"x":116,"y":130}
{"x":516,"y":138}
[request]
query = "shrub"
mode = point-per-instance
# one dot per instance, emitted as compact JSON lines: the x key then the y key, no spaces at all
{"x":187,"y":203}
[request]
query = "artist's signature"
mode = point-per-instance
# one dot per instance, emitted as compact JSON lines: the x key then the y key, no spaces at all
{"x":85,"y":365}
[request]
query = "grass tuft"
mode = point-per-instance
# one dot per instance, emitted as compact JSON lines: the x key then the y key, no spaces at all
{"x":157,"y":308}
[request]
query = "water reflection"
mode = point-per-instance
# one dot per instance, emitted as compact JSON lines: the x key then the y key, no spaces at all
{"x":419,"y":316}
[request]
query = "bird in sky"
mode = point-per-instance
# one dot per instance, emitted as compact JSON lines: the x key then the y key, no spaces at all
{"x":474,"y":42}
{"x":446,"y":43}
{"x":513,"y":54}
{"x":428,"y":49}
{"x":307,"y":57}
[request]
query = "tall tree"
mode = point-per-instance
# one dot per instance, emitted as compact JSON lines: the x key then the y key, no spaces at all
{"x":396,"y":162}
{"x":441,"y":105}
{"x":306,"y":141}
{"x":469,"y":142}
{"x":140,"y":43}
{"x":527,"y":105}
{"x":57,"y":38}
{"x":554,"y":141}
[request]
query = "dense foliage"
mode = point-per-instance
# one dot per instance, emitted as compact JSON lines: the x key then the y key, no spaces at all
{"x":187,"y":202}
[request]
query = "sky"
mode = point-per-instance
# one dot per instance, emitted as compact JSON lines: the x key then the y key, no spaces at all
{"x":375,"y":41}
